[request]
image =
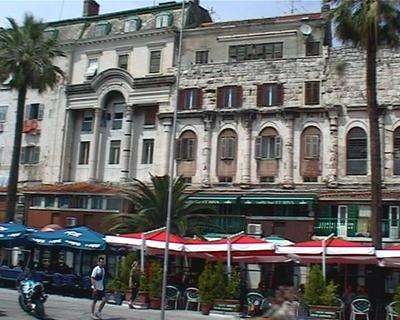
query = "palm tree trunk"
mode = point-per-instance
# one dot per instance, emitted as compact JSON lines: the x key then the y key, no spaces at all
{"x":375,"y":144}
{"x":13,"y":176}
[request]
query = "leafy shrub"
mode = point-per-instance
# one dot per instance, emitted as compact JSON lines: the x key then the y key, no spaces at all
{"x":396,"y":298}
{"x":232,"y":290}
{"x":206,"y":284}
{"x":155,"y":279}
{"x":316,"y":292}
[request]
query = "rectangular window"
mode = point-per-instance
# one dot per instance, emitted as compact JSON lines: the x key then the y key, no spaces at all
{"x":312,"y":89}
{"x":113,"y":204}
{"x":123,"y":61}
{"x":83,"y":203}
{"x":150,"y":115}
{"x":185,"y":149}
{"x":3,"y":113}
{"x":101,"y":30}
{"x":256,"y":51}
{"x":37,"y":201}
{"x":34,"y":111}
{"x":117,"y":116}
{"x":229,"y":97}
{"x":92,"y":68}
{"x":228,"y":148}
{"x":268,"y":147}
{"x":115,"y":147}
{"x":49,"y":202}
{"x":131,"y":25}
{"x":269,"y":95}
{"x":190,"y":99}
{"x":63,"y":202}
{"x":84,"y":152}
{"x":97,"y":203}
{"x":311,"y":146}
{"x":312,"y":48}
{"x":30,"y":154}
{"x":87,"y":121}
{"x":147,"y":152}
{"x":155,"y":61}
{"x":202,"y":57}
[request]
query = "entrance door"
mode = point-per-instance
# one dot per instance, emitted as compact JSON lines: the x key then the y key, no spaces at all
{"x":393,"y":222}
{"x":342,"y":221}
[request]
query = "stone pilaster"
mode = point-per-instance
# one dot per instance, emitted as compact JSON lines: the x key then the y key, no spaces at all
{"x":206,"y":152}
{"x":245,"y":157}
{"x":288,"y":182}
{"x":331,"y":178}
{"x":167,"y":130}
{"x":94,"y":146}
{"x":126,"y":145}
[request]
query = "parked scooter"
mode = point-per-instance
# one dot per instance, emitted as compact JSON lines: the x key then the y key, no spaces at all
{"x":32,"y":297}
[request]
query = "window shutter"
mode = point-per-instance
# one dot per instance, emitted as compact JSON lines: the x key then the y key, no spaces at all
{"x":258,"y":148}
{"x":220,"y":97}
{"x":36,"y":154}
{"x":22,"y":160}
{"x":178,"y":149}
{"x":199,"y":98}
{"x":181,"y":99}
{"x":239,"y":96}
{"x":260,"y":95}
{"x":27,"y":111}
{"x":308,"y":92}
{"x":41,"y":111}
{"x":280,"y":94}
{"x":223,"y":148}
{"x":278,"y":147}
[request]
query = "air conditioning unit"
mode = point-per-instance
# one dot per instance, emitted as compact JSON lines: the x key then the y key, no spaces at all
{"x":254,"y":228}
{"x":71,"y":221}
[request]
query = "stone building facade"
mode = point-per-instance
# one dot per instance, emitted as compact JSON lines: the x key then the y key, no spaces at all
{"x":272,"y":122}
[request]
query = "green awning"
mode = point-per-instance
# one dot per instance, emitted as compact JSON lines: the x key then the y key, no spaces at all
{"x":214,"y":199}
{"x":276,"y":200}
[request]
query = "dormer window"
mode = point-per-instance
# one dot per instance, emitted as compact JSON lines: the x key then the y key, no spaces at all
{"x":51,"y":33}
{"x":132,"y":24}
{"x":102,"y":28}
{"x":164,"y":20}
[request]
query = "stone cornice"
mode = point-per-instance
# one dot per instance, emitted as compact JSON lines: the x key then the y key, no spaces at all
{"x":154,"y":81}
{"x":79,"y":88}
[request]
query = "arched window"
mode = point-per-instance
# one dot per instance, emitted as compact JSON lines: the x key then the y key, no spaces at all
{"x":132,"y":24}
{"x":186,"y":146}
{"x":227,"y":150}
{"x":310,"y":166}
{"x":396,"y":152}
{"x":164,"y":20}
{"x":357,"y":149}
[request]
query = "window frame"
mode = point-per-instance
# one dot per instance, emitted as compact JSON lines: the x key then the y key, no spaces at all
{"x":92,"y":67}
{"x":123,"y":65}
{"x":147,"y":151}
{"x":127,"y":24}
{"x":3,"y":113}
{"x":227,"y":148}
{"x":312,"y":92}
{"x":162,"y":18}
{"x":312,"y":146}
{"x":268,"y":147}
{"x":364,"y":160}
{"x":229,"y":97}
{"x":115,"y":152}
{"x":84,"y":153}
{"x":102,"y":29}
{"x":396,"y":151}
{"x":86,"y":122}
{"x":258,"y":51}
{"x":313,"y":48}
{"x":201,"y":57}
{"x":155,"y":69}
{"x":30,"y":155}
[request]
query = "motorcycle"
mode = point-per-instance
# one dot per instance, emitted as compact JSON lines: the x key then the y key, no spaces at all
{"x":32,"y":297}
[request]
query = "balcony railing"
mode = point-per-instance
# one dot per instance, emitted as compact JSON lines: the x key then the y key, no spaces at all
{"x":226,"y":224}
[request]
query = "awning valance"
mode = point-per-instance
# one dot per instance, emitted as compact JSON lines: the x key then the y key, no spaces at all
{"x":214,"y":199}
{"x":283,"y":200}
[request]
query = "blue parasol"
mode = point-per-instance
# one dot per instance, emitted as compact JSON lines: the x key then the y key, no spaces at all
{"x":14,"y":234}
{"x":81,"y":238}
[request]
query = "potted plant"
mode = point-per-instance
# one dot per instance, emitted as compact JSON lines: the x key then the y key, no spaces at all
{"x":142,"y":300}
{"x":206,"y":289}
{"x":155,"y":283}
{"x":226,"y":289}
{"x":115,"y":291}
{"x":320,"y":298}
{"x":396,"y":299}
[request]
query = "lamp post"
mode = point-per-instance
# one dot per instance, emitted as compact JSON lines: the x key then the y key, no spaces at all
{"x":324,"y":254}
{"x":172,"y":167}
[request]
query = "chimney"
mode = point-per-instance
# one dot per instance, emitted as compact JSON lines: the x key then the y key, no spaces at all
{"x":90,"y":8}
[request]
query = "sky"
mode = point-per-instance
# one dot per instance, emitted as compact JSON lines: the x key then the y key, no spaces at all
{"x":221,"y":10}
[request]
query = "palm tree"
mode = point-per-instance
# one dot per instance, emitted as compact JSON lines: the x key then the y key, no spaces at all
{"x":151,"y":206}
{"x":369,"y":24}
{"x":26,"y":57}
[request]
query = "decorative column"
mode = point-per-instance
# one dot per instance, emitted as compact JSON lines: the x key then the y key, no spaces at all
{"x":206,"y":152}
{"x":126,"y":145}
{"x":68,"y":147}
{"x":244,"y":157}
{"x":167,"y":128}
{"x":94,"y":146}
{"x":331,"y":178}
{"x":288,"y":164}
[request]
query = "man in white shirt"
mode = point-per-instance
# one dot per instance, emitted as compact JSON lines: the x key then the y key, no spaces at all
{"x":97,"y":279}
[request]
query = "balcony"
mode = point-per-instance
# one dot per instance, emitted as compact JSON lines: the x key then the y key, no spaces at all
{"x":355,"y":228}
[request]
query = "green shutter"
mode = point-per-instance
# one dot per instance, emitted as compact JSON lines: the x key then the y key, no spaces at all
{"x":325,"y":211}
{"x":352,"y":211}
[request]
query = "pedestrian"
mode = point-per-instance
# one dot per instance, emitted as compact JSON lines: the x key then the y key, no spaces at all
{"x":97,"y":279}
{"x":134,"y":281}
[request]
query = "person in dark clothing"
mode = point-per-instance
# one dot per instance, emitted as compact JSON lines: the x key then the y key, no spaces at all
{"x":134,"y":282}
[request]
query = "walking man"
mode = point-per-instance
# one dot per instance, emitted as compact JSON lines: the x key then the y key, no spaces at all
{"x":97,"y":279}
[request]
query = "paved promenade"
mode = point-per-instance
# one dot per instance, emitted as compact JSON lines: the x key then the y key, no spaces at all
{"x":66,"y":308}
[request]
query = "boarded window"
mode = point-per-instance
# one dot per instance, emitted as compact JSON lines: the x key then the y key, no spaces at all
{"x":356,"y":154}
{"x":312,"y":92}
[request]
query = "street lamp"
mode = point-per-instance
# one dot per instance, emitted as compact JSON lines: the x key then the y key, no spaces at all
{"x":172,"y":167}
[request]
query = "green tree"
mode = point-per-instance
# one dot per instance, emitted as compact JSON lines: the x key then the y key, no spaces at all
{"x":368,"y":24}
{"x":26,"y":57}
{"x":220,"y":280}
{"x":206,"y":284}
{"x":155,"y":279}
{"x":151,"y":209}
{"x":314,"y":287}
